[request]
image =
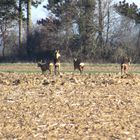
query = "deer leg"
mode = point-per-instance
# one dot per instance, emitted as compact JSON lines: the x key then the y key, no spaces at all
{"x":59,"y":69}
{"x":125,"y":69}
{"x":121,"y":69}
{"x":80,"y":70}
{"x":50,"y":69}
{"x":55,"y":69}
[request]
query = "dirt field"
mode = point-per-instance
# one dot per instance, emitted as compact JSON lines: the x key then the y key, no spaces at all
{"x":96,"y":106}
{"x":67,"y":68}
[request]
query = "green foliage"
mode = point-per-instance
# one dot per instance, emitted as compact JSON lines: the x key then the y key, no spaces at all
{"x":86,"y":3}
{"x":8,"y":10}
{"x":8,"y":16}
{"x":79,"y":12}
{"x":128,"y":10}
{"x":86,"y":24}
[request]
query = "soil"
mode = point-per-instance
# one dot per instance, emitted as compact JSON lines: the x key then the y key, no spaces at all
{"x":69,"y":106}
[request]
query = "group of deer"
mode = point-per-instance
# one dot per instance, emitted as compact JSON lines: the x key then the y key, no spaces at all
{"x":76,"y":63}
{"x":49,"y":65}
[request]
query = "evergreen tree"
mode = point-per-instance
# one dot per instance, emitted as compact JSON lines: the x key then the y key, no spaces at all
{"x":80,"y":13}
{"x":86,"y":24}
{"x":20,"y":10}
{"x":29,"y":23}
{"x":28,"y":26}
{"x":28,"y":4}
{"x":8,"y":18}
{"x":128,"y":10}
{"x":131,"y":11}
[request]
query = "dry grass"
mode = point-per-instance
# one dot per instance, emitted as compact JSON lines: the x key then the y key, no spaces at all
{"x":67,"y":68}
{"x":69,"y":106}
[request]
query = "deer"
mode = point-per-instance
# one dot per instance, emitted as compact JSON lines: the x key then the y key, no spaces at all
{"x":78,"y":65}
{"x":46,"y":66}
{"x":125,"y":65}
{"x":56,"y":61}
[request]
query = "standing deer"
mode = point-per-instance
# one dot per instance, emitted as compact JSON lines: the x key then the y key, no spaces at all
{"x":125,"y":64}
{"x":78,"y":65}
{"x":57,"y":62}
{"x":45,"y":66}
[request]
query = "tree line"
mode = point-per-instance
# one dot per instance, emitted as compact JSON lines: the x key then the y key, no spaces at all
{"x":93,"y":30}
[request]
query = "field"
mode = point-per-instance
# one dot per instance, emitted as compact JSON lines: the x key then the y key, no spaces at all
{"x":100,"y":104}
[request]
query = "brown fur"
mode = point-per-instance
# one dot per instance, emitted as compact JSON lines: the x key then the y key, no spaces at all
{"x":124,"y":68}
{"x":57,"y":68}
{"x":78,"y":65}
{"x":57,"y":62}
{"x":125,"y":65}
{"x":45,"y":66}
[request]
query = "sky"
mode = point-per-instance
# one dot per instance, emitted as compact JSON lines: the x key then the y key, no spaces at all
{"x":135,"y":1}
{"x":40,"y":12}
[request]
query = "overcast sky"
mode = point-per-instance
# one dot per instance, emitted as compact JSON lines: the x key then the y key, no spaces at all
{"x":131,"y":1}
{"x":40,"y":12}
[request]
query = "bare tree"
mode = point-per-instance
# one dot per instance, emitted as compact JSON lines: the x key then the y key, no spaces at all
{"x":20,"y":23}
{"x":8,"y":17}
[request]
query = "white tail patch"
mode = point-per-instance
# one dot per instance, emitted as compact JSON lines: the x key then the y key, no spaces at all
{"x":51,"y":64}
{"x":58,"y":55}
{"x":57,"y":64}
{"x":82,"y":64}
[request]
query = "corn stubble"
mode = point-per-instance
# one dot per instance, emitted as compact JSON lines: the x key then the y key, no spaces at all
{"x":34,"y":106}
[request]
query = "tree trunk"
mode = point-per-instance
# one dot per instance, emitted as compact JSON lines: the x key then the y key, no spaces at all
{"x":138,"y":41}
{"x":28,"y":26}
{"x":20,"y":24}
{"x":100,"y":23}
{"x":86,"y":25}
{"x":108,"y":23}
{"x":4,"y":43}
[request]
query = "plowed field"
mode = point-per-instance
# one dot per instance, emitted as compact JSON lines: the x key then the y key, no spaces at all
{"x":70,"y":106}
